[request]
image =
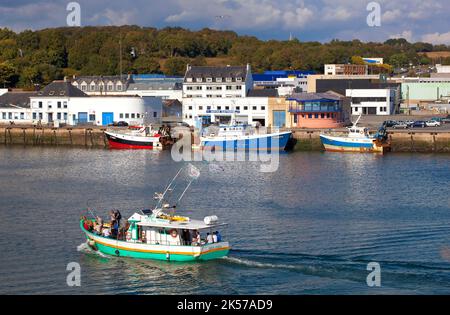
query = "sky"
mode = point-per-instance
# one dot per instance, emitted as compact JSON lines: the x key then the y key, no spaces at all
{"x":306,"y":20}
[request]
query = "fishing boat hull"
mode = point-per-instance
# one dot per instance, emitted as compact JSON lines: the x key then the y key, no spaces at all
{"x":266,"y":142}
{"x":345,"y":144}
{"x":124,"y":141}
{"x":139,"y":250}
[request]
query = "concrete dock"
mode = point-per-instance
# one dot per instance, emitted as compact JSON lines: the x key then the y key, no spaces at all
{"x":433,"y":140}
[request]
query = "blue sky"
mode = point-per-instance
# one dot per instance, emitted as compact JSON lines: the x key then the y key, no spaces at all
{"x":321,"y":20}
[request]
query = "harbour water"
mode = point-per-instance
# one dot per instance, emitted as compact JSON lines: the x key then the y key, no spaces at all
{"x":309,"y":228}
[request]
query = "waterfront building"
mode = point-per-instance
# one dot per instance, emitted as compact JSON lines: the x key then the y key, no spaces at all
{"x":172,"y":110}
{"x":374,"y":101}
{"x":285,"y":82}
{"x":61,"y":102}
{"x":443,"y":69}
{"x":102,"y":85}
{"x":217,"y":82}
{"x":155,"y":85}
{"x":345,"y":69}
{"x":15,"y":107}
{"x":316,"y":110}
{"x":216,"y":94}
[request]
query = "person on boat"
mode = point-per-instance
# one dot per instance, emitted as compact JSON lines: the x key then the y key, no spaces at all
{"x":87,"y":225}
{"x":219,"y":237}
{"x":209,"y":238}
{"x":106,"y":232}
{"x":196,"y":240}
{"x":114,"y":226}
{"x":214,"y":236}
{"x":98,"y":226}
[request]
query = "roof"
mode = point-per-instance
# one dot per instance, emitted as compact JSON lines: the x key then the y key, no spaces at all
{"x":61,"y":88}
{"x":149,"y":220}
{"x":305,"y":97}
{"x":20,"y":99}
{"x":100,"y":78}
{"x":216,"y":72}
{"x":263,"y":93}
{"x":154,"y":85}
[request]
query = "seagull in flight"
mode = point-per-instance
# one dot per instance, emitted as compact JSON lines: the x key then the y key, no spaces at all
{"x":221,"y":17}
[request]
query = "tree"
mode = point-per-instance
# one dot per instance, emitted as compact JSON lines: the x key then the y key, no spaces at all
{"x":146,"y":64}
{"x":176,"y":66}
{"x":8,"y":74}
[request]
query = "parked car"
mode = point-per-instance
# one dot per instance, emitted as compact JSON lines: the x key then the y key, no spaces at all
{"x":446,"y":120}
{"x":119,"y":124}
{"x":401,"y":125}
{"x":390,"y":123}
{"x":409,"y":123}
{"x":432,"y":123}
{"x":419,"y":124}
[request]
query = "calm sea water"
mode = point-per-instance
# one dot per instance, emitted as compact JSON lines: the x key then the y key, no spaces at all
{"x":309,"y":228}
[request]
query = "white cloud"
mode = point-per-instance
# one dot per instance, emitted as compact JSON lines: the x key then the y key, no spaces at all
{"x":408,"y":35}
{"x":437,"y":38}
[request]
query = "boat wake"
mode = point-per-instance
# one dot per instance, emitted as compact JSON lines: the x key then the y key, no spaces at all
{"x":256,"y":264}
{"x":85,"y":248}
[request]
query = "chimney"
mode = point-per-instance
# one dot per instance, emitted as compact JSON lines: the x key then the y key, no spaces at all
{"x":188,"y":67}
{"x":248,"y":67}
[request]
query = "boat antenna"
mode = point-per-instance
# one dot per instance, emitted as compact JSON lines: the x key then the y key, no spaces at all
{"x":169,"y":186}
{"x":357,"y":120}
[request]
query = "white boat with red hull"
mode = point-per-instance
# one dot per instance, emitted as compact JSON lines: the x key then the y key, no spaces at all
{"x":142,"y":137}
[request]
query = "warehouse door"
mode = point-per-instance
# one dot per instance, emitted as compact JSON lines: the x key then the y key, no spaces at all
{"x":279,"y":118}
{"x":82,"y":117}
{"x":107,"y":118}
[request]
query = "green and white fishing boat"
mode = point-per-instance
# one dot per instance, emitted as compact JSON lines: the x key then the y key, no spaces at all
{"x":160,"y":234}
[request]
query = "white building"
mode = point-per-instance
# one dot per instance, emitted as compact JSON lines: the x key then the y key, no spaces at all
{"x":61,"y":101}
{"x":345,"y":69}
{"x":373,"y":101}
{"x":244,"y":109}
{"x":217,"y":82}
{"x":442,"y":68}
{"x":15,"y":107}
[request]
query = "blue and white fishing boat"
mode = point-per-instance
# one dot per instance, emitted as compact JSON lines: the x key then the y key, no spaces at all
{"x":245,"y":137}
{"x":357,"y":140}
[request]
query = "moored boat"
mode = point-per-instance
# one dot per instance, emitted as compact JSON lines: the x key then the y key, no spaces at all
{"x":160,"y":234}
{"x":244,"y":137}
{"x":142,"y":137}
{"x":358,"y":139}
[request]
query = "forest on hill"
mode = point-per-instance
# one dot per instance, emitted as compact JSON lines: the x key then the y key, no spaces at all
{"x":32,"y":58}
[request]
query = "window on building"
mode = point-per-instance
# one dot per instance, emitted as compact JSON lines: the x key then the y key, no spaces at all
{"x":200,"y":107}
{"x":263,"y":107}
{"x":189,"y":88}
{"x":121,"y":115}
{"x":309,"y":116}
{"x":229,"y":87}
{"x":208,"y":79}
{"x":58,"y":116}
{"x":40,"y":104}
{"x":119,"y":87}
{"x":133,"y":115}
{"x":92,"y":87}
{"x":219,"y":107}
{"x":227,"y":107}
{"x":199,"y":80}
{"x":138,"y":115}
{"x":59,"y":104}
{"x":208,"y":107}
{"x":127,"y":115}
{"x":254,"y":107}
{"x":34,"y":116}
{"x":189,"y":107}
{"x":218,"y":88}
{"x":238,"y":87}
{"x":238,"y":79}
{"x":10,"y":116}
{"x":65,"y":104}
{"x":198,"y":88}
{"x":65,"y":116}
{"x":295,"y":119}
{"x":316,"y":116}
{"x":84,"y":87}
{"x":229,"y":79}
{"x":245,"y":107}
{"x":209,"y":95}
{"x":110,"y":87}
{"x":91,"y":117}
{"x":41,"y":116}
{"x":218,"y":79}
{"x":322,"y":115}
{"x":155,"y":114}
{"x":209,"y":87}
{"x":238,"y":107}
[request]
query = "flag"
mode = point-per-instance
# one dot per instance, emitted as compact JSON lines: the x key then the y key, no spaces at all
{"x":193,"y":171}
